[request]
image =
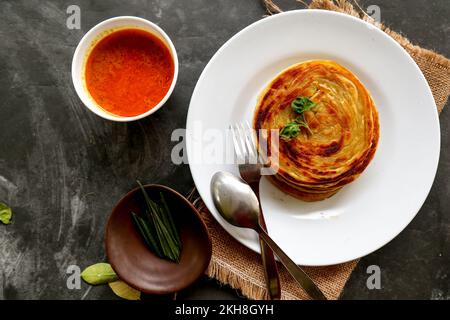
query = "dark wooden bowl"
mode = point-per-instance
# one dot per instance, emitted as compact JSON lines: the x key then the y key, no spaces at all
{"x":133,"y":261}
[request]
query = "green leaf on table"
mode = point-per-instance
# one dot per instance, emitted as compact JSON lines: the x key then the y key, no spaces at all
{"x":124,"y":291}
{"x":99,"y":273}
{"x":5,"y":213}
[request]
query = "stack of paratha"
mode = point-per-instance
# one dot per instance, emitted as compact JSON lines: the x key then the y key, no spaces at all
{"x":337,"y":137}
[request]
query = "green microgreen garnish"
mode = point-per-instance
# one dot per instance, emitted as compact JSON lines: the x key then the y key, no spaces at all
{"x":290,"y":130}
{"x":293,"y":128}
{"x":302,"y":123}
{"x":302,"y":104}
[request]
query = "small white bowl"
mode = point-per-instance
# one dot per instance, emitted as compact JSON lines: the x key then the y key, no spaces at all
{"x":97,"y":33}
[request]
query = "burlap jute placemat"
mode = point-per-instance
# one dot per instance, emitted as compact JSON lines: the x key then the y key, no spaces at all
{"x":241,"y":268}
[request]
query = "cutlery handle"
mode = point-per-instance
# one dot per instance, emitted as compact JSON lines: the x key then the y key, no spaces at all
{"x":270,"y":271}
{"x":297,"y":273}
{"x":268,"y":259}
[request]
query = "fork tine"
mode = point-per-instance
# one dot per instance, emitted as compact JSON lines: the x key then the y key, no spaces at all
{"x":253,"y":142}
{"x":246,"y":138}
{"x":260,"y":153}
{"x":241,"y":139}
{"x":244,"y":142}
{"x":240,"y":154}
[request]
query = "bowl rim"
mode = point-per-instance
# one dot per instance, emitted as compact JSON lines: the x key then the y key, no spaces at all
{"x":79,"y":55}
{"x":196,"y":213}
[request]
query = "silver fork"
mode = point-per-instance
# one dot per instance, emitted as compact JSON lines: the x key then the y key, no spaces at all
{"x":250,"y":165}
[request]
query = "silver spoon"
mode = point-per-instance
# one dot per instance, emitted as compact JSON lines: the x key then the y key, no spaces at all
{"x":238,"y":204}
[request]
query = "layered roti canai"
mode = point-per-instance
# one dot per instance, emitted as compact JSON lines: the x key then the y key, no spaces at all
{"x":328,"y":128}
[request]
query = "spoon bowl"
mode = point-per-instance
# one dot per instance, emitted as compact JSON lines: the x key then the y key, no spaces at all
{"x":235,"y":200}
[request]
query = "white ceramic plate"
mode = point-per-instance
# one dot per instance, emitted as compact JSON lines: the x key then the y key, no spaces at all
{"x":369,"y":212}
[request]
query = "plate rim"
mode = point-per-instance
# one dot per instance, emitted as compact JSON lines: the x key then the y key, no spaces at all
{"x":362,"y":23}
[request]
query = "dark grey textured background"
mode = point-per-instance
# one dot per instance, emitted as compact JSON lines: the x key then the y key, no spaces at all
{"x":62,"y":168}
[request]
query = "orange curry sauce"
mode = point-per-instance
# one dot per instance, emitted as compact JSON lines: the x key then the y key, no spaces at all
{"x":129,"y":72}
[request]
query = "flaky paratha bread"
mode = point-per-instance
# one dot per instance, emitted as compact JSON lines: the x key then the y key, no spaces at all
{"x":343,"y":128}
